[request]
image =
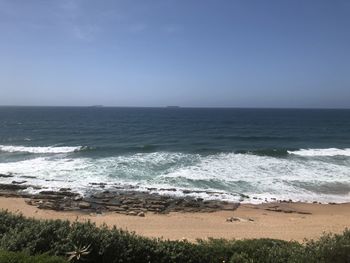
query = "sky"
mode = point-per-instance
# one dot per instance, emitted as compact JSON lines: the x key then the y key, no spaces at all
{"x":203,"y":53}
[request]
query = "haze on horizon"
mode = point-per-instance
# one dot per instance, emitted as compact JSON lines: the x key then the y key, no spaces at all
{"x":271,"y":53}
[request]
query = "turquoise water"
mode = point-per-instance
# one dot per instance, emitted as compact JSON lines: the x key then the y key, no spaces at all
{"x":218,"y":153}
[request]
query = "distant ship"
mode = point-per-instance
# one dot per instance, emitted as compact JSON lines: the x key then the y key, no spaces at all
{"x":96,"y":106}
{"x":172,"y":107}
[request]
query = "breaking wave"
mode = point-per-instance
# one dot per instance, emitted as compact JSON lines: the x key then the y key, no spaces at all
{"x":321,"y":152}
{"x":228,"y":175}
{"x":48,"y":149}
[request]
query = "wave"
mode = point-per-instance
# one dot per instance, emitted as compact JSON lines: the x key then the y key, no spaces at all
{"x":253,"y":138}
{"x":41,"y":149}
{"x":228,"y":173}
{"x":329,"y":152}
{"x":265,"y":152}
{"x":321,"y":152}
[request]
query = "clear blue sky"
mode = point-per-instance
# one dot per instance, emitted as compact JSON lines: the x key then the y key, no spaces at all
{"x":262,"y":53}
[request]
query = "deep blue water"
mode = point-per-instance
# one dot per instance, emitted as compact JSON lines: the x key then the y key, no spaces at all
{"x":283,"y":153}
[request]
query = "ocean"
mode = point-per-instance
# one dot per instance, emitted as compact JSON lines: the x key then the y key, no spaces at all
{"x":247,"y":155}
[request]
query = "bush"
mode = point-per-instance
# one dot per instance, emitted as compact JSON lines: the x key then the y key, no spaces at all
{"x":103,"y":244}
{"x":22,"y":257}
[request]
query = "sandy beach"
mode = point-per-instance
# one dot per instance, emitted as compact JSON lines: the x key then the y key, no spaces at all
{"x":287,"y":221}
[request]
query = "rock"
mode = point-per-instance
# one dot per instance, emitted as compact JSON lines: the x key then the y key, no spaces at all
{"x":65,"y":189}
{"x":84,"y":205}
{"x":50,"y":197}
{"x":230,"y":206}
{"x":215,"y":206}
{"x":18,"y":182}
{"x":115,"y":208}
{"x":303,"y":213}
{"x":28,"y":176}
{"x":78,"y":198}
{"x":49,"y":206}
{"x":132,"y":213}
{"x":156,"y":207}
{"x":6,"y":175}
{"x":191,"y":203}
{"x":157,"y":202}
{"x":168,"y":189}
{"x":233,"y":219}
{"x":129,"y":202}
{"x":142,"y":214}
{"x":13,"y":187}
{"x":98,"y":211}
{"x":61,"y":193}
{"x":28,"y":202}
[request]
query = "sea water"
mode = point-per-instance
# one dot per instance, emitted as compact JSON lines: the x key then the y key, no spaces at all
{"x":232,"y":154}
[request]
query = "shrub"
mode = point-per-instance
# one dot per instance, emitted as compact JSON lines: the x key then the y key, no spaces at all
{"x":22,"y":257}
{"x":103,"y":244}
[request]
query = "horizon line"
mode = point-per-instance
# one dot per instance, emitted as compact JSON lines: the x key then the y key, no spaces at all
{"x":177,"y":107}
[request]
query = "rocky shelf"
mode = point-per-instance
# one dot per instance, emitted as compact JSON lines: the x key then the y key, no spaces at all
{"x":129,"y":202}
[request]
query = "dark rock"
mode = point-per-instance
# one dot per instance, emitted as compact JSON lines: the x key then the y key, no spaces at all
{"x":18,"y":182}
{"x":234,"y":219}
{"x":50,"y":206}
{"x":61,"y":193}
{"x":130,"y":201}
{"x":49,"y":197}
{"x":157,"y":202}
{"x":115,"y":208}
{"x":304,"y":213}
{"x":28,"y":176}
{"x":65,"y":189}
{"x":6,"y":175}
{"x":13,"y":187}
{"x":84,"y":205}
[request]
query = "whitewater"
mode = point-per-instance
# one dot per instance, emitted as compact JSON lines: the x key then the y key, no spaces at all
{"x":305,"y":175}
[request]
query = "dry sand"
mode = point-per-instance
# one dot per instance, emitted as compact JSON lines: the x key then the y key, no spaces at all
{"x":295,"y":225}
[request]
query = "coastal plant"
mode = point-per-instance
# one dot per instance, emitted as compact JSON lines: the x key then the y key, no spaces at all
{"x":113,"y":245}
{"x":23,"y":257}
{"x":78,"y":253}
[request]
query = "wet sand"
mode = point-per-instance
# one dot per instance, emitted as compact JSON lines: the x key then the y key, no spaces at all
{"x":287,"y":221}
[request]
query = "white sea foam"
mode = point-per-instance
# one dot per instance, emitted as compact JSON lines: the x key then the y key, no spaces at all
{"x":322,"y":152}
{"x":226,"y":175}
{"x":49,"y":149}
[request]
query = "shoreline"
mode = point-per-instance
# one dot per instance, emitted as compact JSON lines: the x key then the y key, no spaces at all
{"x":184,"y":218}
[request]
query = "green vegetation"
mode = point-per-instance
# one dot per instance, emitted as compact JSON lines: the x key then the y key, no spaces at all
{"x":90,"y":243}
{"x":22,"y":257}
